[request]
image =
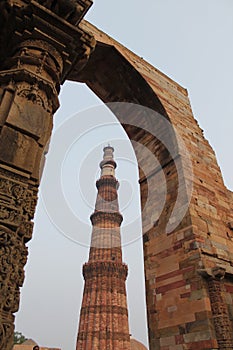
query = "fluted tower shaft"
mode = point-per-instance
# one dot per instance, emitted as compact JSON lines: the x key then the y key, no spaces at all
{"x":104,"y":316}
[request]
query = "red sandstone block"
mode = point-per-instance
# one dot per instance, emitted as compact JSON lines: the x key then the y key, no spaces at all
{"x":202,"y":345}
{"x":170,"y":286}
{"x":167,"y":265}
{"x":174,"y":273}
{"x":169,"y":281}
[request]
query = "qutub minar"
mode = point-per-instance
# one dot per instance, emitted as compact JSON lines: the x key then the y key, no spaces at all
{"x":104,"y":315}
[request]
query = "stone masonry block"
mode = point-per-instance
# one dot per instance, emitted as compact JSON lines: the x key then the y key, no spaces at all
{"x":17,"y":149}
{"x":31,"y":118}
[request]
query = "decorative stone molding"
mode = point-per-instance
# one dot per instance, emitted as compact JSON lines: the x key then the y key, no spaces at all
{"x":109,"y":162}
{"x":108,"y":309}
{"x":100,"y":217}
{"x":17,"y":206}
{"x":6,"y":331}
{"x":102,"y":335}
{"x":105,"y":268}
{"x":107,"y":181}
{"x":53,"y":22}
{"x":221,"y":319}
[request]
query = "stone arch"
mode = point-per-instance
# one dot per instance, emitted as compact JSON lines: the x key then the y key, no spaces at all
{"x":181,"y":243}
{"x":145,"y":119}
{"x":134,"y":102}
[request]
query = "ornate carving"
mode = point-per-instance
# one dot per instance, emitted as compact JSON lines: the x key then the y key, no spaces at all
{"x":71,"y":10}
{"x":17,"y":206}
{"x":105,"y":268}
{"x":33,"y":95}
{"x":220,"y":313}
{"x":36,"y":69}
{"x":38,"y":48}
{"x":25,"y":230}
{"x":17,"y":24}
{"x":13,"y":256}
{"x":41,"y":54}
{"x":16,"y":199}
{"x":6,"y":332}
{"x":108,"y":309}
{"x":10,"y":216}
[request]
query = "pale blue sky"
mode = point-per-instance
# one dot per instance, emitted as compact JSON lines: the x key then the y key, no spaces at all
{"x":191,"y":42}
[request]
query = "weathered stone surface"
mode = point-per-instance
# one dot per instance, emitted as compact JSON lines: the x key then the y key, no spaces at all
{"x":17,"y":206}
{"x":104,"y":316}
{"x":176,"y":298}
{"x":37,"y":50}
{"x":17,"y":149}
{"x":30,"y":118}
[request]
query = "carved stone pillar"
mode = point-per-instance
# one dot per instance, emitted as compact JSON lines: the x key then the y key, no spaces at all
{"x":40,"y":42}
{"x":220,"y":313}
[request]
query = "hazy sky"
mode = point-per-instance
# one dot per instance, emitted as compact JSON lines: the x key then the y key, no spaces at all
{"x":191,"y":42}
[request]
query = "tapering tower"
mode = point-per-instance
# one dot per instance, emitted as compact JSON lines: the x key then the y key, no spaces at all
{"x":104,"y":316}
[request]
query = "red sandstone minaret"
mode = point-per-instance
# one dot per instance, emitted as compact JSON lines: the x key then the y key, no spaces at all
{"x":104,"y":316}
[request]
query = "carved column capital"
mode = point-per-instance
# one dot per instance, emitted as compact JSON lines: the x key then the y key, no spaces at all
{"x":221,"y":319}
{"x":53,"y":22}
{"x":217,"y":272}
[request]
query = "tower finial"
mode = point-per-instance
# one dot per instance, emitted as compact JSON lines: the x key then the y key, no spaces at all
{"x":108,"y":165}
